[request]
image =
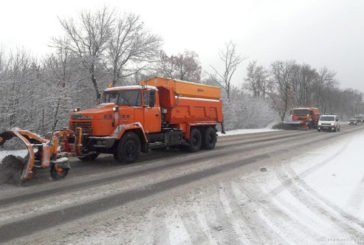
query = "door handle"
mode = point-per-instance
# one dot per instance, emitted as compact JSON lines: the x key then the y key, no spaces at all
{"x":157,"y":115}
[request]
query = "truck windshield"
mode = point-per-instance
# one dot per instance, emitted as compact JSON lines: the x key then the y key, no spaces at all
{"x":300,"y":112}
{"x":327,"y":118}
{"x":126,"y":97}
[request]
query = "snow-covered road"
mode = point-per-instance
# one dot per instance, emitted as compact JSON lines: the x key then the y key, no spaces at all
{"x":315,"y":198}
{"x":309,"y":195}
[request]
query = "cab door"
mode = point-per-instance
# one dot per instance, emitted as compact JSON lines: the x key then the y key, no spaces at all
{"x":152,"y":112}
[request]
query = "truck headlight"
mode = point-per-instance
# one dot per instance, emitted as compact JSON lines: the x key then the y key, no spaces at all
{"x":76,"y":109}
{"x":115,"y":108}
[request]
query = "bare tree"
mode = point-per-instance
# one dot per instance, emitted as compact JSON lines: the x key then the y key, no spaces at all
{"x":231,"y":60}
{"x":88,"y":39}
{"x":130,"y":44}
{"x":257,"y":80}
{"x":282,"y":77}
{"x":184,"y":66}
{"x":61,"y":68}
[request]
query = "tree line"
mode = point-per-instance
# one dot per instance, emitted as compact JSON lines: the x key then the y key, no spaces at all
{"x":105,"y":47}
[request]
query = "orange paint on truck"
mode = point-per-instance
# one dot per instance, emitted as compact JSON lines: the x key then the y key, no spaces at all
{"x":157,"y":112}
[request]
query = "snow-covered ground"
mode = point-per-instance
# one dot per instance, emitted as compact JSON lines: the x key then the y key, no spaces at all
{"x":311,"y":198}
{"x":17,"y":153}
{"x":247,"y":131}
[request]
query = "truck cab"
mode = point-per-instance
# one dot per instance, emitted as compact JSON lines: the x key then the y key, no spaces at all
{"x":135,"y":104}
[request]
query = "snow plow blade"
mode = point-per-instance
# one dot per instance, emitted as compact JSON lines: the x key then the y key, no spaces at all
{"x":294,"y":125}
{"x":11,"y":166}
{"x":38,"y":152}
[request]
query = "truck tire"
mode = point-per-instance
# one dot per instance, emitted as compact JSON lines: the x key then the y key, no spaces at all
{"x":58,"y":174}
{"x":128,"y":148}
{"x":195,"y":141}
{"x":88,"y":158}
{"x":209,"y":138}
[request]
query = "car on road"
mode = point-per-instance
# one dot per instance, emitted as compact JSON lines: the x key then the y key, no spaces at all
{"x":328,"y":123}
{"x":353,"y":121}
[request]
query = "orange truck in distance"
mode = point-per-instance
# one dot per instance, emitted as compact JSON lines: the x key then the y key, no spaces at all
{"x":303,"y":117}
{"x":157,"y":113}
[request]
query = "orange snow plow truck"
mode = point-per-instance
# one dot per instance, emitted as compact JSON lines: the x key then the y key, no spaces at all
{"x":303,"y":118}
{"x":157,"y":113}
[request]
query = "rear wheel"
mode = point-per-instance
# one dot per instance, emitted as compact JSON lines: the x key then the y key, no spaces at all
{"x":128,"y":148}
{"x":58,"y":173}
{"x":89,"y":157}
{"x":209,"y":138}
{"x":195,"y":141}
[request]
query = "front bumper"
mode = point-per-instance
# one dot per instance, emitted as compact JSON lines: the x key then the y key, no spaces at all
{"x":102,"y":142}
{"x":326,"y":127}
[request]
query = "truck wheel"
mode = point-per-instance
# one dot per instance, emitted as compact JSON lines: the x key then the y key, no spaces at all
{"x":128,"y":148}
{"x":209,"y":138}
{"x":195,"y":141}
{"x":58,"y":173}
{"x":89,"y":157}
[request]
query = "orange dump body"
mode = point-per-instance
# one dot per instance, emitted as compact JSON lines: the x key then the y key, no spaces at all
{"x":185,"y":103}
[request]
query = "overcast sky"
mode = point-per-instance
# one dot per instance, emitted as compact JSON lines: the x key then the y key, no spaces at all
{"x":318,"y":32}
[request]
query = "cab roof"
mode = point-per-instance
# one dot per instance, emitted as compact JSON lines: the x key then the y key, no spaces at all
{"x":130,"y":87}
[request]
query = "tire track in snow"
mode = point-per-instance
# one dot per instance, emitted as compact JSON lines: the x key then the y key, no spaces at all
{"x":309,"y":170}
{"x":245,"y":211}
{"x":309,"y":228}
{"x":285,"y":227}
{"x":315,"y":206}
{"x":203,"y":222}
{"x":221,"y":229}
{"x":194,"y":229}
{"x":348,"y":217}
{"x":176,"y":229}
{"x":252,"y":209}
{"x":160,"y":231}
{"x":233,"y":214}
{"x":357,"y":198}
{"x":288,"y":224}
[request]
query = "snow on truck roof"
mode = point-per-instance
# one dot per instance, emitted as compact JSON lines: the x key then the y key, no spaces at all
{"x":305,"y":108}
{"x":129,"y":87}
{"x":182,"y":81}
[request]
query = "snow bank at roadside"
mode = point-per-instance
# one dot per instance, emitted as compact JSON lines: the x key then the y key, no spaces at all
{"x":247,"y":131}
{"x":17,"y":153}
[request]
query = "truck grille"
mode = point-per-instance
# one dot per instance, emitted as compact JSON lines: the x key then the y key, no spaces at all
{"x":86,"y":127}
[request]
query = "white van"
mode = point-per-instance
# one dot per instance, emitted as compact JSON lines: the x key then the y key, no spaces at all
{"x":328,"y":123}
